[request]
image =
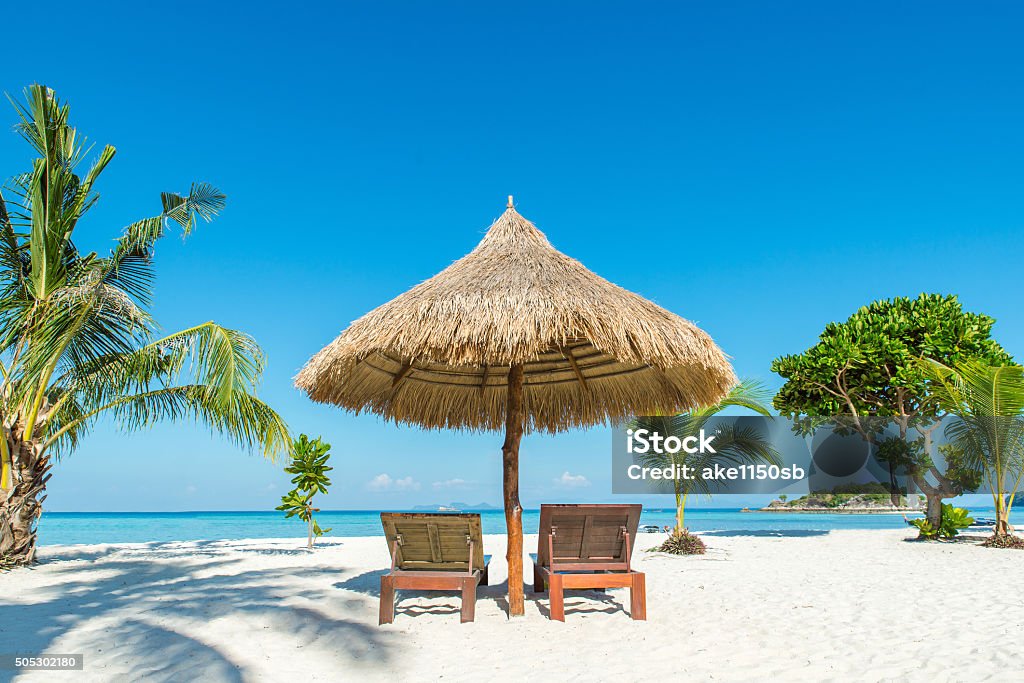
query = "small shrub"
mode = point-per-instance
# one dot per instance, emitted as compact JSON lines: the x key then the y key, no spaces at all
{"x":1004,"y":541}
{"x":953,"y":519}
{"x":925,"y":530}
{"x":682,"y":543}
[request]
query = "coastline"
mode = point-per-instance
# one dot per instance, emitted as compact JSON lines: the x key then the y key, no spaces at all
{"x":265,"y":609}
{"x":837,"y":511}
{"x":106,"y":527}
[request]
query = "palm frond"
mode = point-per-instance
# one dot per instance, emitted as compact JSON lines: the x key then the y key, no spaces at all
{"x":974,"y":388}
{"x":203,"y":200}
{"x":987,"y":427}
{"x":130,"y":264}
{"x":67,"y":421}
{"x":750,"y":394}
{"x":83,"y":197}
{"x":223,"y":361}
{"x":244,"y":420}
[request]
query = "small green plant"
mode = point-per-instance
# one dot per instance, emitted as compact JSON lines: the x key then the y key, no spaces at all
{"x":309,"y":465}
{"x":682,"y":543}
{"x":953,"y":519}
{"x":783,"y":497}
{"x":925,"y":530}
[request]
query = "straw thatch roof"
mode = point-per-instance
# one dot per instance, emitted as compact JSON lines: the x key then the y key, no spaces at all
{"x":439,"y":355}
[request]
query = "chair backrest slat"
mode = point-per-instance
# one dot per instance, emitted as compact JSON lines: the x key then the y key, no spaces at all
{"x":434,"y":541}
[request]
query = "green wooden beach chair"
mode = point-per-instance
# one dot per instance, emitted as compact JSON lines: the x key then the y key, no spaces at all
{"x":433,"y":551}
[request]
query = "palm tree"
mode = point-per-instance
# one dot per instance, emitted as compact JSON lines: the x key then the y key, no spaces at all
{"x":76,"y":339}
{"x":987,"y":403}
{"x":734,"y":445}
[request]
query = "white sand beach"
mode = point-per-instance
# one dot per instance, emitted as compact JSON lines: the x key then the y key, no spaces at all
{"x":841,"y":605}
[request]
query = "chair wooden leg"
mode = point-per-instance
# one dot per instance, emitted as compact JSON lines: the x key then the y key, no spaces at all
{"x":538,"y":580}
{"x":557,"y":595}
{"x":468,"y":599}
{"x":387,"y":599}
{"x":638,"y":597}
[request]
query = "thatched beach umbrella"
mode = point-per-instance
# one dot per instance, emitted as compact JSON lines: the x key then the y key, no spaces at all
{"x":517,"y":335}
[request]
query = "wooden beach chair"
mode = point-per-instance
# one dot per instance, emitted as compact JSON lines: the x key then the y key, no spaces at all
{"x":588,"y":546}
{"x":433,"y":551}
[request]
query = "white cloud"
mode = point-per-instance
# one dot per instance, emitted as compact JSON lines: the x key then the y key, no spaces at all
{"x":451,"y":484}
{"x":384,"y":482}
{"x":571,"y":481}
{"x":191,"y":488}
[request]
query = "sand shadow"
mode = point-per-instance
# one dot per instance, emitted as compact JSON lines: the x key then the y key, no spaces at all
{"x":85,"y":553}
{"x":580,"y":602}
{"x":101,"y":602}
{"x":961,"y":539}
{"x":576,"y":601}
{"x":178,"y":657}
{"x":367,"y":583}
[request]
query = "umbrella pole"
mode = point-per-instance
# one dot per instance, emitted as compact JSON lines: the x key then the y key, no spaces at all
{"x":513,"y":509}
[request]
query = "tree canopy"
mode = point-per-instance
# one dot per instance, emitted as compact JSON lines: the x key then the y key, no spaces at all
{"x":868,"y":365}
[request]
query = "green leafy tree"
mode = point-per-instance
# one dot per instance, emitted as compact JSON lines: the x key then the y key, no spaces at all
{"x":77,"y":342}
{"x":309,"y":465}
{"x":867,"y":368}
{"x":733,"y":445}
{"x":988,"y":424}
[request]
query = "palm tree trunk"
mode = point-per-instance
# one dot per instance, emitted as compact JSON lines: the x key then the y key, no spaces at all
{"x":679,"y":512}
{"x":1003,"y":527}
{"x":21,"y":503}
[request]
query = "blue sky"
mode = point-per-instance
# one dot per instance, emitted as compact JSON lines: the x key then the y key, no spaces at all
{"x":759,"y":168}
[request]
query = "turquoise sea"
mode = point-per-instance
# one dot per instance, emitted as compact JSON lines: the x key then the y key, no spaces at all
{"x":141,"y":527}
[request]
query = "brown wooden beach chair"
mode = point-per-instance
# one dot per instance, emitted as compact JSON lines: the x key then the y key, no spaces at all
{"x":433,"y":551}
{"x":588,"y":546}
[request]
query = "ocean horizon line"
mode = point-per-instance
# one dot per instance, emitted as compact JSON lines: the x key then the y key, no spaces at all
{"x":337,"y":511}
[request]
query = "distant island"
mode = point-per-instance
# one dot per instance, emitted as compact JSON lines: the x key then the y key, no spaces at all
{"x":455,"y":507}
{"x":854,"y":499}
